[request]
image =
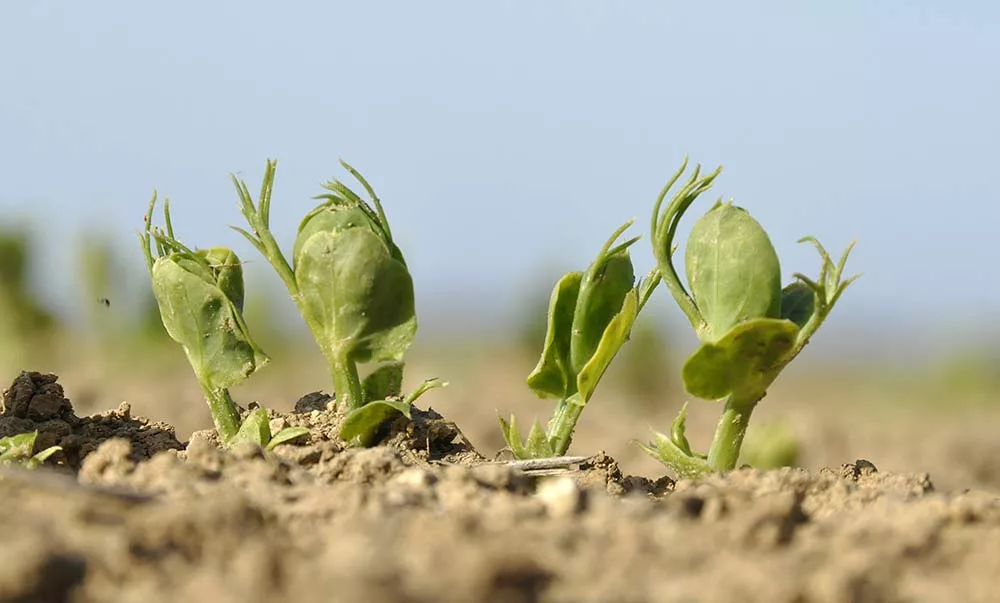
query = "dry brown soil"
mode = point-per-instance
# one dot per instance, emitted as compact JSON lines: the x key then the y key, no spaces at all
{"x":129,"y":513}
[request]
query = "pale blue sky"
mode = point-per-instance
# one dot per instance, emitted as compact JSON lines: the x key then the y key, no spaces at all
{"x":508,"y":139}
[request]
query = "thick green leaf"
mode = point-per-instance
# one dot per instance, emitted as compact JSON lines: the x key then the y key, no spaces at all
{"x":199,"y":316}
{"x":602,"y":292}
{"x":614,"y":337}
{"x":256,"y":429}
{"x":733,"y":270}
{"x":745,"y":361}
{"x":798,"y":303}
{"x":358,"y":295}
{"x":361,"y":424}
{"x":331,"y":220}
{"x":384,"y":382}
{"x":553,"y":377}
{"x":286,"y":435}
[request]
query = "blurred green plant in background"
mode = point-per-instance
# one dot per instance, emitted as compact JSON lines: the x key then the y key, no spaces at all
{"x":641,"y":373}
{"x":771,"y":445}
{"x":23,"y":317}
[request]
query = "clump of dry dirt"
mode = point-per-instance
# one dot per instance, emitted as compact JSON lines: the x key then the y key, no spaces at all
{"x":423,"y":517}
{"x":36,"y":401}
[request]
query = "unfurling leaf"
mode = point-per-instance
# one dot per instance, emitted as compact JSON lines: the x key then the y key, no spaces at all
{"x":744,"y":362}
{"x":554,"y":377}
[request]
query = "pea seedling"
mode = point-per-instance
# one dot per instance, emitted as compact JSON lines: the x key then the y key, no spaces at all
{"x":353,"y":290}
{"x":750,"y":328}
{"x":590,"y":317}
{"x":200,"y":297}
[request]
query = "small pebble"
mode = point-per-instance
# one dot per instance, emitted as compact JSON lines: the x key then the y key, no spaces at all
{"x":561,"y":496}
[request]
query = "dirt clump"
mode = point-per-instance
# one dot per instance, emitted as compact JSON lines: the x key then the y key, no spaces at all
{"x":36,"y":402}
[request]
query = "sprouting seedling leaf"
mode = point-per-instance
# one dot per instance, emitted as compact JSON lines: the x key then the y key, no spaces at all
{"x":798,"y":303}
{"x":749,"y":326}
{"x":733,"y":270}
{"x":19,"y":449}
{"x":615,"y":335}
{"x":745,"y":361}
{"x":384,"y":382}
{"x":590,"y":317}
{"x":200,"y":295}
{"x":286,"y":435}
{"x":554,"y":377}
{"x":355,"y":290}
{"x":361,"y":424}
{"x":677,"y":431}
{"x":535,"y":447}
{"x":352,"y":287}
{"x":684,"y":464}
{"x":256,"y":429}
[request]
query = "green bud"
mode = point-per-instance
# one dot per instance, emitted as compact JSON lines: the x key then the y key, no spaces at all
{"x":585,"y":310}
{"x":590,"y":318}
{"x":733,"y":270}
{"x":353,"y":287}
{"x":200,"y":295}
{"x":602,"y":294}
{"x":227,"y":273}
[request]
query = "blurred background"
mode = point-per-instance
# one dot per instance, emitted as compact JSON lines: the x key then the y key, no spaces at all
{"x":507,"y":140}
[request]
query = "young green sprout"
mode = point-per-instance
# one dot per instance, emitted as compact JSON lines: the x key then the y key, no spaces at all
{"x":590,"y":317}
{"x":353,"y":290}
{"x":750,"y":328}
{"x":200,"y":298}
{"x":20,"y":449}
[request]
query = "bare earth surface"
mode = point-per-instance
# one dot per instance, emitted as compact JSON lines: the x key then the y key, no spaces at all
{"x":129,"y":513}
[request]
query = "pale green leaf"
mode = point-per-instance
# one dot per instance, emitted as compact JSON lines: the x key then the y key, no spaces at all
{"x":745,"y":361}
{"x":553,"y":377}
{"x":733,"y":270}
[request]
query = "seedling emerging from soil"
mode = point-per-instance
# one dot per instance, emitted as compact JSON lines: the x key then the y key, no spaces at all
{"x":200,"y":297}
{"x":590,"y":317}
{"x":18,"y":449}
{"x":354,"y":291}
{"x":750,"y":328}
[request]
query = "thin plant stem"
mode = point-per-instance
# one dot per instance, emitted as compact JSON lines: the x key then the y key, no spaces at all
{"x":224,"y":413}
{"x":346,"y":382}
{"x":732,"y":428}
{"x":560,"y":429}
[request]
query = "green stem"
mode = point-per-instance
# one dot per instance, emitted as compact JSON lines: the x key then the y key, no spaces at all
{"x":560,"y":430}
{"x":223,"y":409}
{"x":725,"y":450}
{"x":346,"y":382}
